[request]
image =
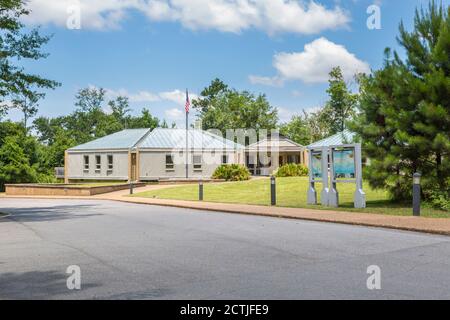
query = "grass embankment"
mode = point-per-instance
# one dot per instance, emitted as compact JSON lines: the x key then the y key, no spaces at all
{"x":291,"y":192}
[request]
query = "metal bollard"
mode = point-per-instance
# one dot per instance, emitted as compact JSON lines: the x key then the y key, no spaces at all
{"x":273,"y":191}
{"x":131,"y":187}
{"x":200,"y":190}
{"x":416,"y":194}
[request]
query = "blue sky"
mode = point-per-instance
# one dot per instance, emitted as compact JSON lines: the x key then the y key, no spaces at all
{"x":151,"y":50}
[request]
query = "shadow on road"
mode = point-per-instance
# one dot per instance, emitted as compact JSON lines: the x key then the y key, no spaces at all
{"x":41,"y":214}
{"x":36,"y":285}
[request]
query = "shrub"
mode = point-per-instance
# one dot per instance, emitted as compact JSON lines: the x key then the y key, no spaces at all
{"x":440,"y":200}
{"x":232,"y":172}
{"x":292,"y":170}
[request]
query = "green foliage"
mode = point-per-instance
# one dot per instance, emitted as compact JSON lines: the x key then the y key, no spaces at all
{"x":440,"y":200}
{"x":291,"y":170}
{"x":20,"y":157}
{"x":329,"y":120}
{"x":223,"y":108}
{"x":88,"y":122}
{"x":232,"y":172}
{"x":15,"y":45}
{"x":341,"y":106}
{"x":297,"y":130}
{"x":404,"y":118}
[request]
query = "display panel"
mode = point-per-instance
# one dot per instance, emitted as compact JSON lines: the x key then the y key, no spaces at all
{"x":344,"y":163}
{"x":317,"y":164}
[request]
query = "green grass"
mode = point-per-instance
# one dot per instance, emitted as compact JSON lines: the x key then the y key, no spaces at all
{"x":291,"y":192}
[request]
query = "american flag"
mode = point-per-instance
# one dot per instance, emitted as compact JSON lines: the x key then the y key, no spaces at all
{"x":188,"y":102}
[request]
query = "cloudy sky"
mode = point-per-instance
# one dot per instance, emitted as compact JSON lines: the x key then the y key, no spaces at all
{"x":151,"y":50}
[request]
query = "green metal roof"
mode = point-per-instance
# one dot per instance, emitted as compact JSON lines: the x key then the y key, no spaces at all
{"x":125,"y":139}
{"x":176,"y":139}
{"x":344,"y":137}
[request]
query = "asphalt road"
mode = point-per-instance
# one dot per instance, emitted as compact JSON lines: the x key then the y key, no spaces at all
{"x":128,"y":251}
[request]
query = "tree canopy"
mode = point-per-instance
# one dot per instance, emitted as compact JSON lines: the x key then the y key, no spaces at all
{"x":223,"y":108}
{"x":16,"y":45}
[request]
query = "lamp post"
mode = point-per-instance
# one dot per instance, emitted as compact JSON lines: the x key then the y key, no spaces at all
{"x":273,"y":191}
{"x":200,"y":190}
{"x":416,"y":194}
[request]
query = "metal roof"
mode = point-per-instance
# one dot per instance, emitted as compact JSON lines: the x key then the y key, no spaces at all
{"x":125,"y":139}
{"x":282,"y":143}
{"x":176,"y":139}
{"x":340,"y":138}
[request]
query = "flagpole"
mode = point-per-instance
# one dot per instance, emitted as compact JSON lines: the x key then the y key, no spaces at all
{"x":187,"y":146}
{"x":187,"y":138}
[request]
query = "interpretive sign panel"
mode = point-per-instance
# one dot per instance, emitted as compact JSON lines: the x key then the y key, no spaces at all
{"x":344,"y":163}
{"x":317,"y":165}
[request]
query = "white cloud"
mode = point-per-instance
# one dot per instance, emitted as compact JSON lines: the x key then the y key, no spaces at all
{"x":285,"y":114}
{"x":144,"y":96}
{"x":174,"y":114}
{"x":266,"y":81}
{"x":104,"y":14}
{"x":176,"y":96}
{"x":271,"y":16}
{"x":314,"y":64}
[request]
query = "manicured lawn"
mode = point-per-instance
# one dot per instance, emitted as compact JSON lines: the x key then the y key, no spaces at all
{"x":291,"y":192}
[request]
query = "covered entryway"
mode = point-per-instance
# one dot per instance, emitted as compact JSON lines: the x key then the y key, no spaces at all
{"x":266,"y":156}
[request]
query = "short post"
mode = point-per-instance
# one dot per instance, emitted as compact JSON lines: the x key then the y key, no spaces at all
{"x":200,"y":190}
{"x":416,"y":194}
{"x":131,"y":187}
{"x":273,"y":191}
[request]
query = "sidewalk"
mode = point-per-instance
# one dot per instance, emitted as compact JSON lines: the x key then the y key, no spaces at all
{"x":419,"y":224}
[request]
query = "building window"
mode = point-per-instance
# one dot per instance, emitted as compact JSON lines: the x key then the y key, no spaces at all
{"x":110,"y":163}
{"x":86,"y":163}
{"x":169,"y":162}
{"x":197,"y":162}
{"x":98,"y":164}
{"x":224,"y":159}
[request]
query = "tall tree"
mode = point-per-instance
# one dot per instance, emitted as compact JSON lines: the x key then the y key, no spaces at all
{"x":223,"y":108}
{"x":404,"y":116}
{"x":16,"y":45}
{"x":342,"y":104}
{"x":28,"y":106}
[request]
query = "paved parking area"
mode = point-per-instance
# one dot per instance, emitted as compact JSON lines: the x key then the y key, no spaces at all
{"x":133,"y":251}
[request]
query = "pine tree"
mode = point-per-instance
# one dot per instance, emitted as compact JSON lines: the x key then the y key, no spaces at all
{"x":404,"y":118}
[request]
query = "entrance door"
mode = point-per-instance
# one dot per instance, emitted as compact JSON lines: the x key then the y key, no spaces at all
{"x":133,"y":167}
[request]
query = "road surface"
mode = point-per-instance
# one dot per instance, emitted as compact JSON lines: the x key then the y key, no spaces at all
{"x":130,"y":251}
